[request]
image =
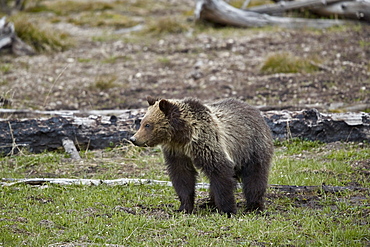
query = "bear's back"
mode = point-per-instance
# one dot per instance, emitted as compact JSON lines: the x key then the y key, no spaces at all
{"x":243,"y":130}
{"x":237,"y":115}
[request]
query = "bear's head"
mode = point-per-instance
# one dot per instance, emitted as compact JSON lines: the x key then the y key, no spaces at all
{"x":162,"y":124}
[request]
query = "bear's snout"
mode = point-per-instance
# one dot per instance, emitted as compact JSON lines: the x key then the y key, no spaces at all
{"x":137,"y":141}
{"x":133,"y":139}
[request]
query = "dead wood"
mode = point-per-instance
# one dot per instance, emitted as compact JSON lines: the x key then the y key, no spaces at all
{"x":10,"y":42}
{"x":112,"y":128}
{"x":283,"y":6}
{"x":350,"y":9}
{"x":323,"y":188}
{"x":357,"y":10}
{"x":218,"y":11}
{"x":93,"y":132}
{"x":126,"y":181}
{"x":70,"y":148}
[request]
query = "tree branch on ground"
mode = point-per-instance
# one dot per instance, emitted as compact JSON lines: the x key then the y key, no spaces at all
{"x":126,"y":181}
{"x":220,"y":12}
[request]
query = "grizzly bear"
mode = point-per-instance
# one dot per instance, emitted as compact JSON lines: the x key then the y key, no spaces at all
{"x":227,"y":140}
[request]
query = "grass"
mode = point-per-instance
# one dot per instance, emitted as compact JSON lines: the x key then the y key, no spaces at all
{"x":106,"y":19}
{"x":144,"y":215}
{"x":166,"y":25}
{"x":239,"y":3}
{"x":104,"y":82}
{"x":68,"y":7}
{"x":5,"y":68}
{"x":42,"y":39}
{"x":285,"y":62}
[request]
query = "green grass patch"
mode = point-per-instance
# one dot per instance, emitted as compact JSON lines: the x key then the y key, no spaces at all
{"x":286,"y":62}
{"x":68,"y":7}
{"x":104,"y":82}
{"x":239,"y":3}
{"x":166,"y":25}
{"x":5,"y":68}
{"x":106,"y":18}
{"x":145,"y":215}
{"x":42,"y":39}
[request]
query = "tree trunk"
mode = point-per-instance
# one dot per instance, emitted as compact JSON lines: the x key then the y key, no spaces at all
{"x":220,"y":12}
{"x":111,"y":128}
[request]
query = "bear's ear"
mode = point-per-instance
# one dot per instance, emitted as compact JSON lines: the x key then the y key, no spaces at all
{"x":165,"y":106}
{"x":151,"y":100}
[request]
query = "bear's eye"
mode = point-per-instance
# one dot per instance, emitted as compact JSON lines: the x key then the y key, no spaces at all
{"x":147,"y":125}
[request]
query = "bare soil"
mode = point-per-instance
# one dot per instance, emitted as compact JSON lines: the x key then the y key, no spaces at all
{"x":109,"y":71}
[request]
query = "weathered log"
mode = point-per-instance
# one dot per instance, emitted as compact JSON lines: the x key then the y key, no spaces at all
{"x":350,"y":9}
{"x":315,"y":126}
{"x":282,"y":6}
{"x":126,"y":181}
{"x":220,"y":12}
{"x":113,"y":128}
{"x":10,"y":41}
{"x":357,"y":10}
{"x":70,"y":148}
{"x":93,"y":132}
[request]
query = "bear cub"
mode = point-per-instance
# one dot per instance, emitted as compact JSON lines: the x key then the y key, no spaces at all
{"x":228,"y":140}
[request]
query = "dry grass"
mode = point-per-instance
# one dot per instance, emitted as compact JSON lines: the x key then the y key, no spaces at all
{"x":286,"y":62}
{"x":41,"y":38}
{"x":167,"y":25}
{"x":99,"y":19}
{"x":104,"y":82}
{"x":68,"y":7}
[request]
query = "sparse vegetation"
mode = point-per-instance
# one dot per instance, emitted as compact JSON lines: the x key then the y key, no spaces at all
{"x":285,"y":62}
{"x":106,"y":19}
{"x":164,"y":61}
{"x":105,"y":82}
{"x":4,"y":68}
{"x":144,"y":215}
{"x":63,"y":8}
{"x":166,"y":25}
{"x":41,"y":38}
{"x":239,"y":3}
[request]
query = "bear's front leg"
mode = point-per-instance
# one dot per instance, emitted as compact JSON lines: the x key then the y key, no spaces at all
{"x":183,"y":176}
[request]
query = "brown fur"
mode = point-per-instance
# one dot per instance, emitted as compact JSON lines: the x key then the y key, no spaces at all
{"x":226,"y":140}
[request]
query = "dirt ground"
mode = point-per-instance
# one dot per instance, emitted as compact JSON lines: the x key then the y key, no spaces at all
{"x":106,"y":70}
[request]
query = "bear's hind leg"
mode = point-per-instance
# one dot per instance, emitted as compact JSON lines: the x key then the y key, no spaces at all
{"x":222,"y":190}
{"x":183,"y":176}
{"x":254,"y":178}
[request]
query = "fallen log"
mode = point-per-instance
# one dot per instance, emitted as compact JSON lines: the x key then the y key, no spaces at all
{"x":112,"y":128}
{"x":350,"y":9}
{"x":315,"y":126}
{"x":127,"y":181}
{"x":218,"y":11}
{"x":283,"y":6}
{"x":92,"y":132}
